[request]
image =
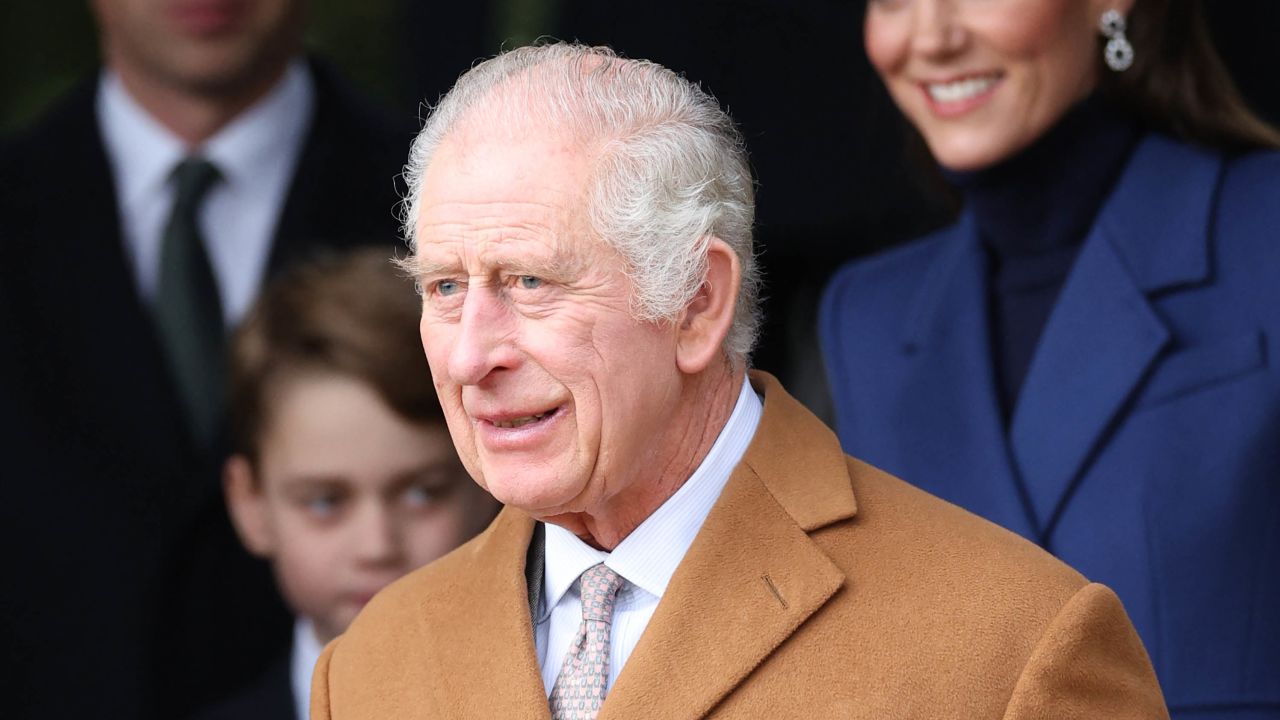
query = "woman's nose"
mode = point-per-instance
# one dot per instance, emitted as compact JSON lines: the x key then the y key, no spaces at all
{"x":938,"y":28}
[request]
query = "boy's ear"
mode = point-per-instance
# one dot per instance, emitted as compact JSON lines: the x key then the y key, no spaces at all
{"x":706,"y":321}
{"x":247,"y":506}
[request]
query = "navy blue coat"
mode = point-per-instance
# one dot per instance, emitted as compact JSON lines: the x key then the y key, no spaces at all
{"x":1144,"y":448}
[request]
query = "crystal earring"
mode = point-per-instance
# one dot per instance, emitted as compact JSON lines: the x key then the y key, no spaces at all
{"x":1119,"y":53}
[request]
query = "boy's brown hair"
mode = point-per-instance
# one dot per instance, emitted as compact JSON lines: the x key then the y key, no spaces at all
{"x":350,"y":314}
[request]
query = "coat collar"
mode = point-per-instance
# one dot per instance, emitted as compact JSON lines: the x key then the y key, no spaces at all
{"x":492,"y":661}
{"x":946,"y":352}
{"x":1160,"y":215}
{"x":790,"y":438}
{"x":1099,"y":343}
{"x":1157,"y":219}
{"x":750,"y":579}
{"x":752,"y":576}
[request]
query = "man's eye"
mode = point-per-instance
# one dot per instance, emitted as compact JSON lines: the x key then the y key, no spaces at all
{"x":446,"y":287}
{"x":529,"y":282}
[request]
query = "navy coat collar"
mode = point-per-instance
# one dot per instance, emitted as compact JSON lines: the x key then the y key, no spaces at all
{"x":1102,"y":338}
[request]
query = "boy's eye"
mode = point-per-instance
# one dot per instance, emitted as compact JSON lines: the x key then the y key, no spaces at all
{"x":529,"y":282}
{"x":322,"y":506}
{"x":420,"y":495}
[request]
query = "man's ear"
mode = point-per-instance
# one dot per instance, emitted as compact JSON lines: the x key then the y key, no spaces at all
{"x":705,"y":323}
{"x":246,"y":504}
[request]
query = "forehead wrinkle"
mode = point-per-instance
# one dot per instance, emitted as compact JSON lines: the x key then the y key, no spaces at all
{"x":462,"y":218}
{"x":498,"y":247}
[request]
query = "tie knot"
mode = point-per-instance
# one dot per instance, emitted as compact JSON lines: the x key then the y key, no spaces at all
{"x":599,"y":586}
{"x":193,"y":176}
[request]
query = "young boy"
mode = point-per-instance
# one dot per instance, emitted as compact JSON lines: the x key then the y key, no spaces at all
{"x":344,"y":476}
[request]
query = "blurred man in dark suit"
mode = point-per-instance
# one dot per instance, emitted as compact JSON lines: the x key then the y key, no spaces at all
{"x":137,"y":221}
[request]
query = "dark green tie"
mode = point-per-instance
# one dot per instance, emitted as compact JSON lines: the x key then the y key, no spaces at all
{"x":187,"y":309}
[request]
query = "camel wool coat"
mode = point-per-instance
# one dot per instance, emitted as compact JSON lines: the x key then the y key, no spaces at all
{"x":819,"y":587}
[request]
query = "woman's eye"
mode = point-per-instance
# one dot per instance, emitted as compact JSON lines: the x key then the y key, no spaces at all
{"x":529,"y":282}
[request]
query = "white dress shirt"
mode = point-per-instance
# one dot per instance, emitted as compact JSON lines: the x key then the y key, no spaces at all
{"x":256,"y":154}
{"x":302,"y":662}
{"x":646,"y":559}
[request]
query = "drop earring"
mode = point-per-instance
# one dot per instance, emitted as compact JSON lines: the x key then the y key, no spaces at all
{"x":1119,"y":53}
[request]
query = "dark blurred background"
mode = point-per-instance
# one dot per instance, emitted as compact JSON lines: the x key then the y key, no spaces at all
{"x":826,"y":144}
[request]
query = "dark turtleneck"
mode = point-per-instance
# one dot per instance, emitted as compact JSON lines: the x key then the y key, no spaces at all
{"x":1032,"y":212}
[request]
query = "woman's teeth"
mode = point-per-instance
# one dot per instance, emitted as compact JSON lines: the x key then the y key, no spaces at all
{"x":960,"y":89}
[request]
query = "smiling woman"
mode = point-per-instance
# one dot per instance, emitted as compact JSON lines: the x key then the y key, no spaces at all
{"x":1030,"y":62}
{"x":1117,"y":240}
{"x":982,"y":80}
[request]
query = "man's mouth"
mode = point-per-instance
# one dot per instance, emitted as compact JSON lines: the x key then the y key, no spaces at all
{"x":522,"y":421}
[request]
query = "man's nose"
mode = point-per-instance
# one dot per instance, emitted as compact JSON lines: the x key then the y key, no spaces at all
{"x":938,"y":28}
{"x":482,"y":344}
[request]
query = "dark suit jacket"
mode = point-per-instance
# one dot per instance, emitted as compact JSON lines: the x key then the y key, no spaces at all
{"x":131,"y":592}
{"x":269,"y":698}
{"x":818,"y":587}
{"x":1145,"y":446}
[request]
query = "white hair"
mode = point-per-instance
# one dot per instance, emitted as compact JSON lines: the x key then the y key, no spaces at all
{"x":670,"y":168}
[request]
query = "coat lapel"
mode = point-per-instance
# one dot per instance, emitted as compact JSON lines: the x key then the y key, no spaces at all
{"x":946,"y":346}
{"x":498,"y":675}
{"x":752,"y":575}
{"x":1103,"y":336}
{"x":97,"y":354}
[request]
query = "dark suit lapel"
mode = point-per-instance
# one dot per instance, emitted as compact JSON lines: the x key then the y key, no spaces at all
{"x":344,"y":192}
{"x":751,"y":577}
{"x":108,"y":378}
{"x":946,"y":345}
{"x":1103,"y":336}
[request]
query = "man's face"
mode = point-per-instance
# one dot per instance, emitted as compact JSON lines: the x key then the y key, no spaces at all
{"x":201,"y":46}
{"x":558,"y":400}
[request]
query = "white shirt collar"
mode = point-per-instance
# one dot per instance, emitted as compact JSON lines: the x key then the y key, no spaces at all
{"x":302,"y":662}
{"x":649,"y":556}
{"x":250,"y":144}
{"x":256,"y":153}
{"x":144,"y":152}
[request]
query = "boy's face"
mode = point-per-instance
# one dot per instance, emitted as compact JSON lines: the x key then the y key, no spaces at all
{"x":347,"y":497}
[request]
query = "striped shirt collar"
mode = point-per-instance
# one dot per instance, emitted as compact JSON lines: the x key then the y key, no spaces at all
{"x":649,"y":556}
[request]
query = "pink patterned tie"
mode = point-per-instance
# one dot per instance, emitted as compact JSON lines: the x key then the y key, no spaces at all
{"x":579,"y":688}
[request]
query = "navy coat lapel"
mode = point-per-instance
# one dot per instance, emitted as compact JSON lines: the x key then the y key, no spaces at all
{"x":946,"y":339}
{"x":1104,"y":336}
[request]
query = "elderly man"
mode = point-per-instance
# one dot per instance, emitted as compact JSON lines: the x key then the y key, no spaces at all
{"x":682,"y":539}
